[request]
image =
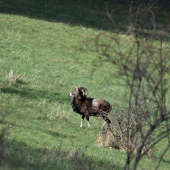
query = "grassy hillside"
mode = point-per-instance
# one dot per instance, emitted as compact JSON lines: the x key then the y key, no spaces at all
{"x":42,"y":58}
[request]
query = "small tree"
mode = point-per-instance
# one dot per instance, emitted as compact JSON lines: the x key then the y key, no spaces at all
{"x":145,"y":67}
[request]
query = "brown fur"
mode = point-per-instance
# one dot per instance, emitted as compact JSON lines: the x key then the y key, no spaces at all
{"x":89,"y":106}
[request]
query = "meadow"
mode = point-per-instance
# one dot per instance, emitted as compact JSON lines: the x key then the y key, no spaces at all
{"x":42,"y":58}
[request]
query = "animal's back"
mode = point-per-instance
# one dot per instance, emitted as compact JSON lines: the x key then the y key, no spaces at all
{"x":102,"y":105}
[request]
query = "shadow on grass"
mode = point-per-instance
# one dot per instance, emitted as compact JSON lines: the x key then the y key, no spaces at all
{"x":21,"y":155}
{"x":73,"y":12}
{"x":42,"y":129}
{"x":29,"y":93}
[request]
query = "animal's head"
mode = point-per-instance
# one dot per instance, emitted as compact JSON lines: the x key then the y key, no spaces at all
{"x":79,"y":92}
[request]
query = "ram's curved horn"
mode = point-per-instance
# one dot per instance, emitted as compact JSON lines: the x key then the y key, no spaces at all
{"x":84,"y":89}
{"x":76,"y":88}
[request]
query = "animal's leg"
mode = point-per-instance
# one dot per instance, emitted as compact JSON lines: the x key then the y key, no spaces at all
{"x":87,"y":118}
{"x":103,"y":125}
{"x":106,"y":120}
{"x":82,"y":121}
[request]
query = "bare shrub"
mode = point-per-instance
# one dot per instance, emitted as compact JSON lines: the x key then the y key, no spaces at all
{"x":116,"y":135}
{"x":107,"y":139}
{"x":142,"y":61}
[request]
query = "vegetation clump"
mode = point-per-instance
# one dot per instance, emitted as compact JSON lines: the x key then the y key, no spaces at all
{"x":125,"y":133}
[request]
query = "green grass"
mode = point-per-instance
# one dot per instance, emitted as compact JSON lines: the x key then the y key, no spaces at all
{"x":41,"y":44}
